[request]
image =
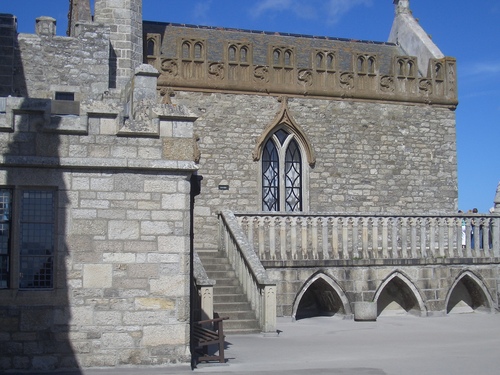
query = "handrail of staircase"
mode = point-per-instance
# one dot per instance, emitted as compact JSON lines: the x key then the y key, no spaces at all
{"x":199,"y":273}
{"x":204,"y":286}
{"x":260,"y":290}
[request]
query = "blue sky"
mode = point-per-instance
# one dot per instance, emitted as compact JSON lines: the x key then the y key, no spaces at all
{"x":466,"y":30}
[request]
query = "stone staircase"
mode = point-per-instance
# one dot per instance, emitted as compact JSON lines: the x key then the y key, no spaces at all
{"x":229,"y":299}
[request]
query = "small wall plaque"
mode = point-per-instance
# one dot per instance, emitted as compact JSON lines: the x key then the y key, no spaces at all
{"x":223,"y":187}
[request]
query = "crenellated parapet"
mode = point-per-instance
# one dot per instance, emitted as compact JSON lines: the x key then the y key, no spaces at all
{"x":209,"y":59}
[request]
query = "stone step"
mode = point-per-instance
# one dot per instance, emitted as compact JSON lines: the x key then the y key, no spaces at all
{"x":227,"y":282}
{"x":219,"y":275}
{"x":241,"y":326}
{"x":239,"y":315}
{"x":217,"y":267}
{"x":227,"y":289}
{"x":223,"y":307}
{"x":227,"y":298}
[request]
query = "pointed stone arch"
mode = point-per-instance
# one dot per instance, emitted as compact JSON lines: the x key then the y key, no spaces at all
{"x":468,"y":293}
{"x":285,"y":120}
{"x":320,"y":296}
{"x":397,"y":294}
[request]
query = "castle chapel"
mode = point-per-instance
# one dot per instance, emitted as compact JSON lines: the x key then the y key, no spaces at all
{"x":137,"y":157}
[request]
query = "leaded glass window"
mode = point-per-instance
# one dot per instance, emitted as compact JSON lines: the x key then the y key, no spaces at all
{"x":281,"y":173}
{"x":37,"y":219}
{"x":5,"y":230}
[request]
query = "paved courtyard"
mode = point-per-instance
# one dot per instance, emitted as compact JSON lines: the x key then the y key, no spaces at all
{"x":394,"y":345}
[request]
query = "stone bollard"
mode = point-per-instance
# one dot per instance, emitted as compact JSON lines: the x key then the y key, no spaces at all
{"x":365,"y":311}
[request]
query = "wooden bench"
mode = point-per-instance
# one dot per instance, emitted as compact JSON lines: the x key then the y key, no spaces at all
{"x":207,"y":333}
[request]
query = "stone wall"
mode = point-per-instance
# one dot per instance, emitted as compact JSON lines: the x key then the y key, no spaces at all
{"x":122,"y":255}
{"x":431,"y":284}
{"x":370,"y":157}
{"x":81,"y":65}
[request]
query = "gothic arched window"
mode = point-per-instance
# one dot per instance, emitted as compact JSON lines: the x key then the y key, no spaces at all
{"x":281,"y":173}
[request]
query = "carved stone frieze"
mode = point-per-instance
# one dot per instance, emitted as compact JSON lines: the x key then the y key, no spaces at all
{"x":425,"y":86}
{"x":387,"y":84}
{"x":261,"y":74}
{"x":287,"y":67}
{"x":170,"y":67}
{"x":305,"y":76}
{"x":216,"y":71}
{"x":347,"y":80}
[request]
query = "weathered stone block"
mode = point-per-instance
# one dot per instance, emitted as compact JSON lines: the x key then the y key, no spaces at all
{"x":97,"y":276}
{"x":365,"y":311}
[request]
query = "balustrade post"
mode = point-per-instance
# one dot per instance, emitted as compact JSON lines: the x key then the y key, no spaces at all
{"x":268,"y":307}
{"x":335,"y":238}
{"x":404,"y":237}
{"x":413,"y":237}
{"x":486,"y":236}
{"x":262,"y":250}
{"x":272,"y":238}
{"x":303,"y":237}
{"x":293,"y":237}
{"x":496,"y":236}
{"x":324,"y":237}
{"x":364,"y":238}
{"x":314,"y":237}
{"x":423,"y":237}
{"x":394,"y":238}
{"x":207,"y":302}
{"x":458,"y":226}
{"x":345,"y":241}
{"x":451,"y":239}
{"x":441,"y":224}
{"x":354,"y":223}
{"x":283,"y":238}
{"x":468,"y":237}
{"x":476,"y":235}
{"x":375,"y":250}
{"x":250,"y":231}
{"x":432,"y":237}
{"x":385,"y":237}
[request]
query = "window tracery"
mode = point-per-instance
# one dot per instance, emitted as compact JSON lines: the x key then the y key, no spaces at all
{"x":366,"y":64}
{"x":283,"y":149}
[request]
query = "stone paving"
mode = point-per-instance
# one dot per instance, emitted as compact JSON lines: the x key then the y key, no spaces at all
{"x":394,"y":345}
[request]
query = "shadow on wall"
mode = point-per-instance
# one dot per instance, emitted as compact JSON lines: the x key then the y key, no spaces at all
{"x":35,"y":314}
{"x":320,"y":299}
{"x":467,"y":296}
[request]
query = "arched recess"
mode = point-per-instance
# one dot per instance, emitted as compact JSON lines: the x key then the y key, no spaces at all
{"x":285,"y":119}
{"x":397,"y":296}
{"x":320,"y":296}
{"x":468,"y":294}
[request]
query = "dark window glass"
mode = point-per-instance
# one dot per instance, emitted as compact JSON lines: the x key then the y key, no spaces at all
{"x":5,"y":225}
{"x":281,"y":173}
{"x":293,"y":178}
{"x":270,"y":177}
{"x":37,"y":239}
{"x":70,"y":96}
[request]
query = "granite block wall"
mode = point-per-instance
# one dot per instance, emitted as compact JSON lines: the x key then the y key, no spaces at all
{"x":370,"y":157}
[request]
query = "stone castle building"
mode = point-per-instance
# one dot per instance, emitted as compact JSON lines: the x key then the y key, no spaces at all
{"x":129,"y":145}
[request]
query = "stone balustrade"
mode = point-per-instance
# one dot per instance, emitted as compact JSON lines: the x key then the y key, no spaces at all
{"x":316,"y":238}
{"x":261,"y":292}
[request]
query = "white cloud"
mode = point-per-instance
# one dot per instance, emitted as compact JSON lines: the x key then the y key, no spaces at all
{"x":313,"y":9}
{"x":297,"y":7}
{"x":336,"y":8}
{"x":481,"y":69}
{"x":201,"y":10}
